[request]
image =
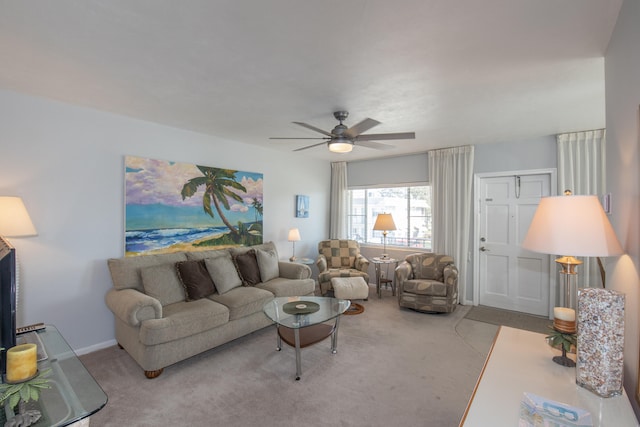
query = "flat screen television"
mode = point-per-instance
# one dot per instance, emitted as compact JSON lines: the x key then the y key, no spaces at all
{"x":7,"y":299}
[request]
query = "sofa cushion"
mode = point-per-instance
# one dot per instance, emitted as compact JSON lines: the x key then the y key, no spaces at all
{"x":183,"y":319}
{"x":282,"y":287}
{"x":429,"y":266}
{"x":339,"y":253}
{"x":125,"y":272}
{"x":268,"y":264}
{"x":162,"y":283}
{"x":247,"y":266}
{"x":243,"y":301}
{"x":425,"y":287}
{"x":195,"y":279}
{"x":223,"y":272}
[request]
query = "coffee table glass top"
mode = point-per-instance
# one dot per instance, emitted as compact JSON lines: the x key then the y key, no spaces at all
{"x":327,"y":309}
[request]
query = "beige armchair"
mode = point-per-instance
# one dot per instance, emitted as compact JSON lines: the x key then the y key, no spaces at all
{"x":339,"y":258}
{"x":427,"y":282}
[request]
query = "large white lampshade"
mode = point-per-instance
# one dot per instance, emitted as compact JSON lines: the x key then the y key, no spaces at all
{"x":568,"y":226}
{"x":14,"y":218}
{"x":572,"y":225}
{"x":384,"y":223}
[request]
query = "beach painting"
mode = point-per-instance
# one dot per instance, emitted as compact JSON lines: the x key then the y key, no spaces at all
{"x":172,"y":206}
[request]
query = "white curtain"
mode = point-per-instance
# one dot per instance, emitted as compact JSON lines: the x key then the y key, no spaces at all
{"x":451,"y":179}
{"x":338,"y":208}
{"x":581,"y":169}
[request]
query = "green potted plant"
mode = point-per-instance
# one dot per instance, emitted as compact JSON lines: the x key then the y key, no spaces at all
{"x":18,"y":395}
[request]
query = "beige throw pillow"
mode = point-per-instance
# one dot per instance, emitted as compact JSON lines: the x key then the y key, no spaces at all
{"x":162,"y":283}
{"x":223,"y":273}
{"x":268,"y":264}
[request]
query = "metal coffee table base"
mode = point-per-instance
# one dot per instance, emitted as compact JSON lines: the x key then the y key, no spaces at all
{"x":304,"y":337}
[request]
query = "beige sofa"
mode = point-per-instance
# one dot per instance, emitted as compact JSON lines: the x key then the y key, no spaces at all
{"x":167,"y":309}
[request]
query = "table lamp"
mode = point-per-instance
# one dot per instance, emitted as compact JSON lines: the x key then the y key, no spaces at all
{"x":15,"y":222}
{"x":294,"y":236}
{"x":14,"y":218}
{"x":384,"y":223}
{"x":572,"y":226}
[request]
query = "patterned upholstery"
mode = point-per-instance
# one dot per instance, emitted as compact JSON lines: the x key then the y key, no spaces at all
{"x":339,"y":258}
{"x":427,"y":282}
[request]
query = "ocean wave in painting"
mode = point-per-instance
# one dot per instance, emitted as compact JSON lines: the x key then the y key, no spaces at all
{"x":149,"y":240}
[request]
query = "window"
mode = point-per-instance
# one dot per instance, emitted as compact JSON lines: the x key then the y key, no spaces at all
{"x":409,"y":206}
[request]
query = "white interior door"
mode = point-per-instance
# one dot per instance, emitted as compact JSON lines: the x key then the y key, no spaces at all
{"x":508,"y":276}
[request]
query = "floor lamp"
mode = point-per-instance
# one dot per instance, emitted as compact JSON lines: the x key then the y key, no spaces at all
{"x":384,"y":223}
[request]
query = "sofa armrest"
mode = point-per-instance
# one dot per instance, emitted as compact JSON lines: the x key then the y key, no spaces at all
{"x":132,"y":307}
{"x":294,"y":270}
{"x":403,"y":273}
{"x":321,"y":262}
{"x":450,"y":278}
{"x":362,"y":264}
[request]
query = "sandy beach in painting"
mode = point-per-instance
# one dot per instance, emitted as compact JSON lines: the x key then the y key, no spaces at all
{"x":183,"y":246}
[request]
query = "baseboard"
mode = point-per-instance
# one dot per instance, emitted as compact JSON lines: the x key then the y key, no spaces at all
{"x":95,"y":347}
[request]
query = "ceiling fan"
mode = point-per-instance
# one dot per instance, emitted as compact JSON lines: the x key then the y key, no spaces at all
{"x":342,"y":139}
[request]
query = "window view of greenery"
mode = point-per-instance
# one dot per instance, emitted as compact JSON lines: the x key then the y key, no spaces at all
{"x":409,"y":206}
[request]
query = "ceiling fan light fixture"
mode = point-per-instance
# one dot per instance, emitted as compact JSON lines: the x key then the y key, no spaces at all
{"x":340,"y":147}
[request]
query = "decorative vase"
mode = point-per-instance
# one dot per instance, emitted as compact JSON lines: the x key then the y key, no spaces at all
{"x":599,"y":366}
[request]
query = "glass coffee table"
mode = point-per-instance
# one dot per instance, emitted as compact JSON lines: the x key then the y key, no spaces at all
{"x":73,"y":394}
{"x":302,"y":321}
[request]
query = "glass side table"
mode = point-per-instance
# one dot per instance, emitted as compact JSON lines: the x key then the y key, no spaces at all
{"x":377,"y":263}
{"x":74,"y":393}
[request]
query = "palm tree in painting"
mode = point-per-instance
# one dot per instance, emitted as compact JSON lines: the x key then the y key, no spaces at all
{"x":257,"y":206}
{"x":218,"y":184}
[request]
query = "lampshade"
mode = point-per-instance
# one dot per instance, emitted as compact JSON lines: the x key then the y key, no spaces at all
{"x":384,"y":222}
{"x":340,"y":147}
{"x":14,"y":219}
{"x":294,"y":235}
{"x":572,"y":225}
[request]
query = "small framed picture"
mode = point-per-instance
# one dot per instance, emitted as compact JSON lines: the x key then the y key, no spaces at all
{"x":302,"y":206}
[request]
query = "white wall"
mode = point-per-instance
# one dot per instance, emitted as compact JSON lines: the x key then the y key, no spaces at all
{"x":622,"y":86}
{"x":67,"y":163}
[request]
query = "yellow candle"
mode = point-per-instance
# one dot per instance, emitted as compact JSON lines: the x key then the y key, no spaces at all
{"x":563,"y":313}
{"x":22,"y":362}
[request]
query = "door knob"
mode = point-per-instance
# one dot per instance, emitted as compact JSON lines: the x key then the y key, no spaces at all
{"x":483,"y":249}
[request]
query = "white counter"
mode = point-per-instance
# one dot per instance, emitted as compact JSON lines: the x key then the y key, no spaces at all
{"x":519,"y":362}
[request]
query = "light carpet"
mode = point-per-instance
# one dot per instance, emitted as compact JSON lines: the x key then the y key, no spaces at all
{"x":393,"y":367}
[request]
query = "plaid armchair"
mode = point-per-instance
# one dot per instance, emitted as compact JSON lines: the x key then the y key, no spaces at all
{"x":427,"y":282}
{"x":339,"y":258}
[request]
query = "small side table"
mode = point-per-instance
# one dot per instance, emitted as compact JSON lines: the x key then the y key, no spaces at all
{"x":377,"y":263}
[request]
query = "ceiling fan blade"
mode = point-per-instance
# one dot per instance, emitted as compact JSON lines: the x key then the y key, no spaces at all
{"x":386,"y":136}
{"x":358,"y":128}
{"x":305,"y":125}
{"x":285,"y":137}
{"x":375,"y":145}
{"x":309,"y":146}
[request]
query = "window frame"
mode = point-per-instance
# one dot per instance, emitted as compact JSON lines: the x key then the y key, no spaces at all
{"x":370,"y":234}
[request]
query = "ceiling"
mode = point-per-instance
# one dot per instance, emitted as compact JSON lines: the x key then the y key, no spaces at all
{"x":455,"y":72}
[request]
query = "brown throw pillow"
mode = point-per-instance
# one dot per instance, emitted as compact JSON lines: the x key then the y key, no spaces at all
{"x":247,"y":266}
{"x":196,"y":279}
